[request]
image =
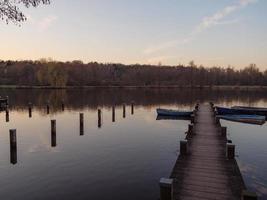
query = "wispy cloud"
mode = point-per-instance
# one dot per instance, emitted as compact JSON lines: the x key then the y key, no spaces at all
{"x":206,"y":23}
{"x":43,"y":23}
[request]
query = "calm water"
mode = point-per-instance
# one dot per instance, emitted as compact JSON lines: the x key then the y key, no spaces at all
{"x":122,"y":159}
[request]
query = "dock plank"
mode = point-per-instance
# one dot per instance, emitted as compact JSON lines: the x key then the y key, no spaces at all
{"x":205,"y":172}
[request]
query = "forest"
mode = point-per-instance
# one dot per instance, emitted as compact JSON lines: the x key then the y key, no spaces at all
{"x":50,"y":73}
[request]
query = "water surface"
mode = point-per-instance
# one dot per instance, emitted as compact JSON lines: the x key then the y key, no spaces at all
{"x":119,"y":160}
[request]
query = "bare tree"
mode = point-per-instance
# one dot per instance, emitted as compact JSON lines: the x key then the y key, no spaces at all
{"x":9,"y":9}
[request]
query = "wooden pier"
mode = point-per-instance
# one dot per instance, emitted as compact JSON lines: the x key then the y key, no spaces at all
{"x":206,"y":167}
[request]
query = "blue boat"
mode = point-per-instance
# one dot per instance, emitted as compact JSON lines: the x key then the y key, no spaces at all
{"x":251,"y":119}
{"x":167,"y":112}
{"x":239,"y":110}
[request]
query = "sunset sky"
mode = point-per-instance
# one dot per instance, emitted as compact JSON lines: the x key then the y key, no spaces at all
{"x":210,"y":32}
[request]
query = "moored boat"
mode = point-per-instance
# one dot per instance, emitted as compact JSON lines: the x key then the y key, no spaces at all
{"x":251,"y":119}
{"x":168,"y":112}
{"x":251,"y":110}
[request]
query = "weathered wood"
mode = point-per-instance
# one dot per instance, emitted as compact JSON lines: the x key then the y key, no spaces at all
{"x":203,"y":171}
{"x":13,"y":146}
{"x":124,"y":110}
{"x":81,"y":124}
{"x":113,"y":114}
{"x":53,"y":133}
{"x":99,"y":121}
{"x":166,"y":189}
{"x":30,"y":110}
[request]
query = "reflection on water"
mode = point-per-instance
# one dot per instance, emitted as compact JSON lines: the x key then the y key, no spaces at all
{"x":123,"y":149}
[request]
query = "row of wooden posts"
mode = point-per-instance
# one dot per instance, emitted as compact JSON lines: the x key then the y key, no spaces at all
{"x":13,"y":135}
{"x":30,"y":107}
{"x":166,"y":184}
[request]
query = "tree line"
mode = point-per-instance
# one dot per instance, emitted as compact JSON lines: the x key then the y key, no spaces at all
{"x":46,"y":72}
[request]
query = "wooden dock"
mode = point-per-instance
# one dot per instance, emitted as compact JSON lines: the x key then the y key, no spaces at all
{"x":206,"y":167}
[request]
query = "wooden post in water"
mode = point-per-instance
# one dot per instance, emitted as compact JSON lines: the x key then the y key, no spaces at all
{"x":230,"y":151}
{"x":13,"y":146}
{"x":192,"y":119}
{"x":81,"y":124}
{"x":166,"y":189}
{"x":113,"y":114}
{"x":190,"y":128}
{"x":247,"y":195}
{"x":47,"y":107}
{"x":132,"y":108}
{"x":62,"y":105}
{"x":124,"y":110}
{"x":7,"y":113}
{"x":99,"y":118}
{"x":183,"y":147}
{"x":30,"y":109}
{"x":7,"y":100}
{"x":53,"y":133}
{"x":224,"y":131}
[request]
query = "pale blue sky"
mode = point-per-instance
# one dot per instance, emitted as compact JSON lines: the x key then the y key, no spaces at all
{"x":210,"y":32}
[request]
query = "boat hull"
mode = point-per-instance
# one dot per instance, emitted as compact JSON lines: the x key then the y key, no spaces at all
{"x":165,"y":112}
{"x":250,"y":119}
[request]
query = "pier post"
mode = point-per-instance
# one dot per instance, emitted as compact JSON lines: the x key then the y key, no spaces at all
{"x":166,"y":189}
{"x":13,"y":146}
{"x":53,"y":133}
{"x":7,"y":100}
{"x":124,"y":110}
{"x":7,"y":113}
{"x":246,"y":195}
{"x":99,"y":118}
{"x":113,"y":113}
{"x":81,"y":124}
{"x":190,"y":128}
{"x":230,"y":151}
{"x":217,"y":120}
{"x":47,"y":108}
{"x":30,"y":109}
{"x":183,"y":147}
{"x":132,"y":108}
{"x":224,"y":131}
{"x":62,"y":105}
{"x":192,"y":119}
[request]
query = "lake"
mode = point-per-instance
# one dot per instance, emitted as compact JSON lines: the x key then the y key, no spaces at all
{"x":112,"y":160}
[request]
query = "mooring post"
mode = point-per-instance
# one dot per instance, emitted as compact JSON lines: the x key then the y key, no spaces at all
{"x":217,"y":120}
{"x":81,"y":124}
{"x":132,"y":108}
{"x":53,"y":133}
{"x":166,"y":189}
{"x":30,"y":109}
{"x":183,"y":147}
{"x":13,"y":146}
{"x":113,"y":113}
{"x":190,"y":128}
{"x":7,"y":113}
{"x":47,"y":107}
{"x":62,"y":105}
{"x":99,"y":118}
{"x":7,"y":100}
{"x":247,"y":195}
{"x":224,"y":131}
{"x":230,"y":151}
{"x":124,"y":110}
{"x":192,"y":119}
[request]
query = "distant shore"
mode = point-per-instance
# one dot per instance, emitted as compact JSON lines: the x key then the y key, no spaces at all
{"x":215,"y":87}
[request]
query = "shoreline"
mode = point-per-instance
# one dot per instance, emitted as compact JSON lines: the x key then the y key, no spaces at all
{"x":215,"y":87}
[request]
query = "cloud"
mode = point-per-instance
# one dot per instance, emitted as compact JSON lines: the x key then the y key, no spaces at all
{"x":206,"y":23}
{"x":43,"y":23}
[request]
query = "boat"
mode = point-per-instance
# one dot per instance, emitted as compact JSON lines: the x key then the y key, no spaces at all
{"x":168,"y":117}
{"x":226,"y":111}
{"x":168,"y":112}
{"x":251,"y":110}
{"x":250,"y":119}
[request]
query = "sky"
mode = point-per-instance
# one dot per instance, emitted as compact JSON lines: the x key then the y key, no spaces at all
{"x":171,"y":32}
